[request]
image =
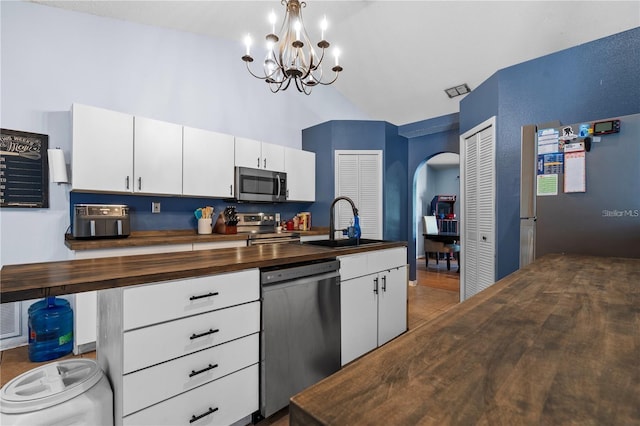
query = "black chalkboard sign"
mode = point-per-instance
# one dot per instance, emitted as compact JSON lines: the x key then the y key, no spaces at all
{"x":24,"y":169}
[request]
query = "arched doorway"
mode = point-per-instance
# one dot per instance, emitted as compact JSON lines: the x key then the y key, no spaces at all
{"x":437,"y":175}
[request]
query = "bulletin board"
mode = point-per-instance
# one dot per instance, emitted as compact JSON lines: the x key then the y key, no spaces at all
{"x":24,"y":169}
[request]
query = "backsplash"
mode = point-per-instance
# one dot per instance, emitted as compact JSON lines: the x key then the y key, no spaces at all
{"x":177,"y":212}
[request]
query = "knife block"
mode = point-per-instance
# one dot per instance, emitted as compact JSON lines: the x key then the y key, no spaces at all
{"x":222,"y":228}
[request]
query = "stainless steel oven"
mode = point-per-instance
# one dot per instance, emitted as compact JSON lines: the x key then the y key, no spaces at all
{"x":257,"y":185}
{"x":262,"y":229}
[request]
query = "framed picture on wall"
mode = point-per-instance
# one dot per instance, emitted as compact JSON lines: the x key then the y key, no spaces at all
{"x":24,"y":169}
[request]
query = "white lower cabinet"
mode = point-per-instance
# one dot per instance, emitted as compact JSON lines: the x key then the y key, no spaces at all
{"x":182,"y":351}
{"x":221,"y":402}
{"x":373,"y":300}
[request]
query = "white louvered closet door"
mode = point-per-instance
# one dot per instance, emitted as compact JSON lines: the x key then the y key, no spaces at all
{"x":358,"y":175}
{"x":478,"y":209}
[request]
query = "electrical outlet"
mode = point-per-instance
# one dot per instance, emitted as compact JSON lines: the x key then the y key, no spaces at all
{"x":155,"y":207}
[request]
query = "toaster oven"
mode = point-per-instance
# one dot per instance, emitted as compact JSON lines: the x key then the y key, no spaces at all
{"x":101,"y":221}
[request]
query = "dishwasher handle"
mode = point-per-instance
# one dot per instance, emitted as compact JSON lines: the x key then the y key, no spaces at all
{"x":304,"y":280}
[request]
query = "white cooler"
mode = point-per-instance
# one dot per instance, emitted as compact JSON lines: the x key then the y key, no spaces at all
{"x":69,"y":392}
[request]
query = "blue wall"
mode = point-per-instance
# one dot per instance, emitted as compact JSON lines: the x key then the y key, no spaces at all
{"x":588,"y":82}
{"x":177,"y":212}
{"x":400,"y":145}
{"x":324,"y":139}
{"x":426,"y":139}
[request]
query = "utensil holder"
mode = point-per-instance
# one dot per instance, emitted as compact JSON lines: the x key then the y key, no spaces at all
{"x":205,"y":226}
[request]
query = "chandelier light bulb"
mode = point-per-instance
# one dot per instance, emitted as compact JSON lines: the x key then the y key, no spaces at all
{"x":336,"y":54}
{"x":247,"y":43}
{"x":323,"y":27}
{"x":297,"y":26}
{"x":290,"y":54}
{"x":272,"y":21}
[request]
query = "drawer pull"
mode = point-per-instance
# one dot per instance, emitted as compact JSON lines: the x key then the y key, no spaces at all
{"x":195,"y":373}
{"x":209,"y":411}
{"x":206,"y":333}
{"x":203,"y":296}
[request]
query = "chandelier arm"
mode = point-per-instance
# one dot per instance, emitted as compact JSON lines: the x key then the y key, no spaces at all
{"x":256,"y":76}
{"x":330,"y":82}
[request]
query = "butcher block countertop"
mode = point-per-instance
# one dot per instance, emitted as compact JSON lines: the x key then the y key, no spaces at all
{"x":557,"y":342}
{"x":155,"y":238}
{"x":38,"y":280}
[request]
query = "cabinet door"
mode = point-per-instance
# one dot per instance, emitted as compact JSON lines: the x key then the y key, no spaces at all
{"x":248,"y":153}
{"x":102,"y":158}
{"x":359,"y":317}
{"x":157,"y":157}
{"x":300,"y":167}
{"x":273,"y":157}
{"x":207,"y":163}
{"x":392,"y":304}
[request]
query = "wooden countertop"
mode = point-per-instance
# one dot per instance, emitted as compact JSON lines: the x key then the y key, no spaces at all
{"x":557,"y":342}
{"x":154,"y":238}
{"x":38,"y":280}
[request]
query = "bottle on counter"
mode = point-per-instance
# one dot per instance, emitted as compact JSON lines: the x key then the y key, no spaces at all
{"x":50,"y":329}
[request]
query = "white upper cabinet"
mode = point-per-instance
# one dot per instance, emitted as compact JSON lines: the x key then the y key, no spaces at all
{"x":102,"y":158}
{"x":300,"y":167}
{"x":259,"y":155}
{"x":272,"y":157}
{"x":157,"y":157}
{"x":207,"y":163}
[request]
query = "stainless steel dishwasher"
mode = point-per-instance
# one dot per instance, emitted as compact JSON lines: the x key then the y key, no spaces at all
{"x":300,"y":337}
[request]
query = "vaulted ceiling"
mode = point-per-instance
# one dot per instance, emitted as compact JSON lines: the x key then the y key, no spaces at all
{"x":399,"y":56}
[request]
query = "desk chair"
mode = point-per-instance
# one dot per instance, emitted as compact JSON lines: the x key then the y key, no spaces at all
{"x":430,"y":226}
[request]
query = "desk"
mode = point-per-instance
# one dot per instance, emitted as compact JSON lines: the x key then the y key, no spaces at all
{"x":446,"y":238}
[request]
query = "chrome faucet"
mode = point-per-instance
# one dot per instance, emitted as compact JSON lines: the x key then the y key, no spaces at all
{"x":332,"y":226}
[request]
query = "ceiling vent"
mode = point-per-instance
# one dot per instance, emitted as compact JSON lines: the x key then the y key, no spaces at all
{"x":462,"y":89}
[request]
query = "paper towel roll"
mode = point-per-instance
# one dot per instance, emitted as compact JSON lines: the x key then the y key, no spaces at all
{"x":57,"y":166}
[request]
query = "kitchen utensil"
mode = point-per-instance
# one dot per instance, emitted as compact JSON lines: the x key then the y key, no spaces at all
{"x":198,"y":214}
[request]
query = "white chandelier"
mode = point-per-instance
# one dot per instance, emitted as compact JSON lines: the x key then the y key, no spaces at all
{"x":290,"y":56}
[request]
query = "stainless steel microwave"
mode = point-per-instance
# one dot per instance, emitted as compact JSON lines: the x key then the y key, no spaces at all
{"x":259,"y":185}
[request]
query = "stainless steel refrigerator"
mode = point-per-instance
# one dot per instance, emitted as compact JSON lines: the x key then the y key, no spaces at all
{"x":604,"y":220}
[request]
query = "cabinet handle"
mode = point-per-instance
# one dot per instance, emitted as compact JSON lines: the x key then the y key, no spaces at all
{"x":375,"y":285}
{"x":140,"y":184}
{"x":206,"y":333}
{"x":384,"y":283}
{"x":195,"y":373}
{"x":265,"y":163}
{"x":127,"y":182}
{"x":230,"y":189}
{"x":202,"y":296}
{"x":209,"y":411}
{"x":258,"y":162}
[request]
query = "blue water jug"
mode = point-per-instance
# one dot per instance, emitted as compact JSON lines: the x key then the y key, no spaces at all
{"x":50,"y":329}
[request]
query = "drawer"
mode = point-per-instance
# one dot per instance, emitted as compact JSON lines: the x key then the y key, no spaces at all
{"x":150,"y":304}
{"x":353,"y":266}
{"x":228,"y":400}
{"x":152,"y":345}
{"x":382,"y":260}
{"x":146,"y":387}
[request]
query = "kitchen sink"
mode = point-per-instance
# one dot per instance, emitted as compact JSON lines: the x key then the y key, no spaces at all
{"x":343,"y":242}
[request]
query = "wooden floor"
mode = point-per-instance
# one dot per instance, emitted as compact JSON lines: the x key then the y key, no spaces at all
{"x":437,"y":290}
